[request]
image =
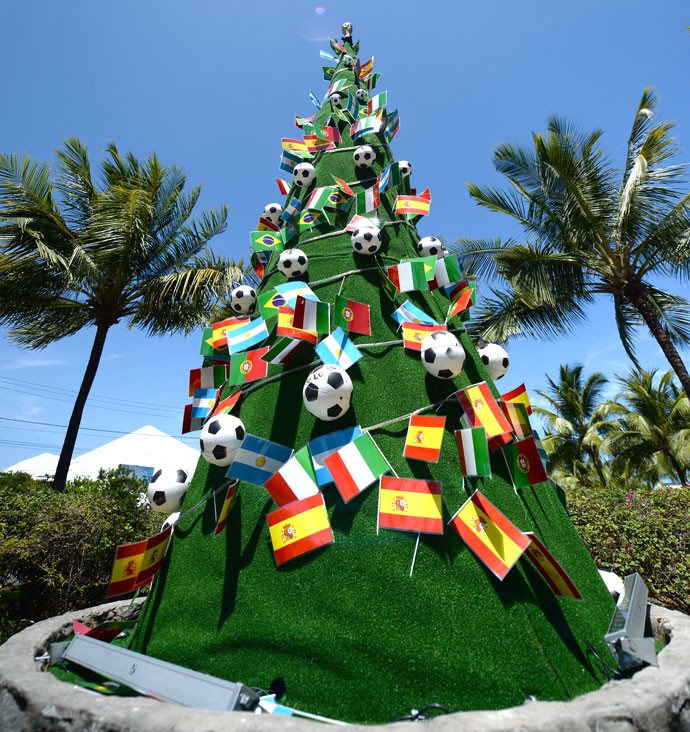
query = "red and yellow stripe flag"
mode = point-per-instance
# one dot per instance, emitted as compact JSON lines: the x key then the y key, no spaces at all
{"x":482,"y":409}
{"x":415,"y":333}
{"x":287,"y":328}
{"x":136,"y":563}
{"x":414,"y":205}
{"x":156,"y":546}
{"x":407,"y":504}
{"x":228,"y":503}
{"x":489,"y":534}
{"x":299,"y":527}
{"x":518,"y":395}
{"x":424,"y":438}
{"x":218,"y":331}
{"x":549,"y":568}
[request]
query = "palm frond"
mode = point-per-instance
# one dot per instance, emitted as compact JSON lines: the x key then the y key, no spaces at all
{"x":74,"y":183}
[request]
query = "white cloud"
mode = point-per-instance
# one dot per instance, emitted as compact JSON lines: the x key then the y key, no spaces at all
{"x":37,"y":362}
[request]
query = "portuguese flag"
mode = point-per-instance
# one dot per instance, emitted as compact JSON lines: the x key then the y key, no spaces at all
{"x":249,"y":366}
{"x":351,"y":316}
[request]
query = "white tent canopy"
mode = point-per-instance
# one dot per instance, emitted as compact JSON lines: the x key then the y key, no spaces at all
{"x":146,"y":447}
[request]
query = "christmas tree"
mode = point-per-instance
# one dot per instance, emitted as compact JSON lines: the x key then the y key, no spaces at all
{"x":382,"y":548}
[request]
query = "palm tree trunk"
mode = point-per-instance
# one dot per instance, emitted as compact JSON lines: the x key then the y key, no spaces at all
{"x":680,"y":471}
{"x":597,"y":465}
{"x":75,"y":420}
{"x":664,"y":341}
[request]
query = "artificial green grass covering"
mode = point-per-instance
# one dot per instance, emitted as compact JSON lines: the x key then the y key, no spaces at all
{"x":352,"y":633}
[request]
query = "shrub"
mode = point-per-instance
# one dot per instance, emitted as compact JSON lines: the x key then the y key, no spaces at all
{"x":643,"y":531}
{"x":57,"y":549}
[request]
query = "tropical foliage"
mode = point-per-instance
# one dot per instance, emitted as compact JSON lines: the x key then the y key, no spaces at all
{"x":95,"y":252}
{"x":590,"y":230}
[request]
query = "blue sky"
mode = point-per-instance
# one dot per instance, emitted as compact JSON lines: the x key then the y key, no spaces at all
{"x":212,"y":86}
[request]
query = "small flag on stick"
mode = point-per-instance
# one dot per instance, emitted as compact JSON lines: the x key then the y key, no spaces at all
{"x":424,"y":438}
{"x":356,"y":466}
{"x":408,"y":504}
{"x":549,"y":568}
{"x":473,"y":450}
{"x":228,"y":503}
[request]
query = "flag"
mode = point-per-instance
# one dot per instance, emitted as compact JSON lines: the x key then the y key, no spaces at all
{"x":266,"y":241}
{"x":352,"y":105}
{"x":356,"y":466}
{"x":293,"y":481}
{"x":206,"y":348}
{"x":314,"y":99}
{"x":372,"y":80}
{"x":328,"y":72}
{"x":299,"y":528}
{"x":283,"y":186}
{"x":549,"y":568}
{"x":339,"y":199}
{"x":465,"y":299}
{"x":202,"y":402}
{"x":211,"y":377}
{"x":156,"y":546}
{"x":409,"y":313}
{"x":473,"y":450}
{"x":392,"y":125}
{"x":321,"y":197}
{"x":290,"y":291}
{"x":351,"y":316}
{"x":291,"y":210}
{"x":246,"y":336}
{"x":337,"y":47}
{"x":282,"y":350}
{"x":322,"y":447}
{"x":377,"y":102}
{"x":218,"y":331}
{"x":524,"y":463}
{"x":408,"y":504}
{"x":414,"y":205}
{"x":358,"y":221}
{"x":494,"y":539}
{"x":388,"y":287}
{"x":249,"y":366}
{"x":344,"y":187}
{"x":424,"y":438}
{"x":338,"y":85}
{"x":415,"y":333}
{"x":482,"y":410}
{"x":225,"y":406}
{"x":295,"y":147}
{"x":289,"y":160}
{"x":518,"y":394}
{"x":447,"y":271}
{"x":337,"y":349}
{"x":286,"y":327}
{"x":301,"y":121}
{"x":316,"y":144}
{"x":327,"y":56}
{"x":259,"y":260}
{"x":189,"y":423}
{"x":266,"y":225}
{"x":540,"y":448}
{"x":228,"y":503}
{"x":385,"y":179}
{"x":368,"y":199}
{"x":128,"y":558}
{"x":257,"y":460}
{"x":366,"y":68}
{"x":408,"y":276}
{"x":429,"y":265}
{"x":517,"y":416}
{"x":311,"y":315}
{"x":309,"y":219}
{"x":270,"y":302}
{"x":365,"y":125}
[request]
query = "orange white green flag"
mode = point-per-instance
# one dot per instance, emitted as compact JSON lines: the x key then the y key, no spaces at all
{"x":424,"y":438}
{"x":550,"y":569}
{"x":496,"y":541}
{"x":298,"y":528}
{"x":408,"y":504}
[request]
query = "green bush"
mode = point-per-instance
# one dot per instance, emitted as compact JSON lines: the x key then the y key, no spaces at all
{"x":57,"y":549}
{"x":643,"y":531}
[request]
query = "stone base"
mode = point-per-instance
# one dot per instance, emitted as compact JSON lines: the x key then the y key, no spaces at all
{"x":654,"y":700}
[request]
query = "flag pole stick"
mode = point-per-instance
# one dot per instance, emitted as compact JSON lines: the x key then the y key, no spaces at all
{"x":414,"y":556}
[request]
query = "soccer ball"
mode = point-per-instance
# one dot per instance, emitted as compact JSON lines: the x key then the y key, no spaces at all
{"x":303,"y":175}
{"x":166,"y":489}
{"x":242,"y":299}
{"x":272,"y":212}
{"x":428,"y":246}
{"x":361,"y":95}
{"x":496,"y":360}
{"x":293,"y":262}
{"x":327,"y":392}
{"x":442,"y":354}
{"x":405,"y":168}
{"x":366,"y":240}
{"x":364,"y":157}
{"x":221,"y":438}
{"x":335,"y":99}
{"x":348,"y":61}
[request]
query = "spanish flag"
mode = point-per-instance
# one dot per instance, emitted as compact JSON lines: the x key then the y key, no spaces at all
{"x":518,"y":394}
{"x":482,"y":410}
{"x":413,"y":205}
{"x":298,"y":528}
{"x":489,"y":534}
{"x":295,"y":146}
{"x":424,"y":438}
{"x":228,"y":503}
{"x":156,"y":547}
{"x":128,"y":558}
{"x":415,"y":333}
{"x":549,"y":568}
{"x":218,"y":330}
{"x":287,"y":328}
{"x":408,"y":504}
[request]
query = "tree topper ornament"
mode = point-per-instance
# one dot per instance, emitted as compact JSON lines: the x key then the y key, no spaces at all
{"x":347,"y":33}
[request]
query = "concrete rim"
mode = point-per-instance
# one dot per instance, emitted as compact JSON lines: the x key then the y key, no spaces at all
{"x":654,"y":700}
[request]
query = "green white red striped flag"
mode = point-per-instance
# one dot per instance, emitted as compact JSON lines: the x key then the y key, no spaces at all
{"x":311,"y":315}
{"x":408,"y":276}
{"x":473,"y":450}
{"x":282,"y":350}
{"x":356,"y":466}
{"x":294,"y":481}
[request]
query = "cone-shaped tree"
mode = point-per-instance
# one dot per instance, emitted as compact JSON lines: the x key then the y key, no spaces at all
{"x":355,"y":634}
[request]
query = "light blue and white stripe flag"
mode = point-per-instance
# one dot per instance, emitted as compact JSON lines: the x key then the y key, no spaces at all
{"x":202,"y":401}
{"x":337,"y":349}
{"x":290,"y":290}
{"x":409,"y":313}
{"x":314,"y":99}
{"x":321,"y":447}
{"x":246,"y":336}
{"x":258,"y":459}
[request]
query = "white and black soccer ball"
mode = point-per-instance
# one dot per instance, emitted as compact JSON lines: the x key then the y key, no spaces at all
{"x":242,"y":299}
{"x":303,"y":175}
{"x":496,"y":360}
{"x":348,"y":61}
{"x":327,"y":392}
{"x":442,"y":354}
{"x":272,"y":212}
{"x":292,"y":262}
{"x":335,"y":99}
{"x":364,"y":157}
{"x":429,"y":246}
{"x":166,"y":489}
{"x":221,"y":438}
{"x":366,"y":240}
{"x":362,"y":95}
{"x":405,"y":168}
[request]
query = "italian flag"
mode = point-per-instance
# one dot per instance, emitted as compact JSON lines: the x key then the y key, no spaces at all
{"x":368,"y":199}
{"x":356,"y":466}
{"x":311,"y":315}
{"x":473,"y":449}
{"x":408,"y":276}
{"x":294,"y":481}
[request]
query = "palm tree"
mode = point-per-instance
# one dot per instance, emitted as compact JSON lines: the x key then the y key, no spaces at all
{"x":651,"y":428}
{"x":574,"y":422}
{"x":589,"y":231}
{"x":76,"y":253}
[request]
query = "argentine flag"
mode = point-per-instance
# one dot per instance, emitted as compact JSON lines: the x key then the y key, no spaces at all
{"x":337,"y":349}
{"x":258,"y":459}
